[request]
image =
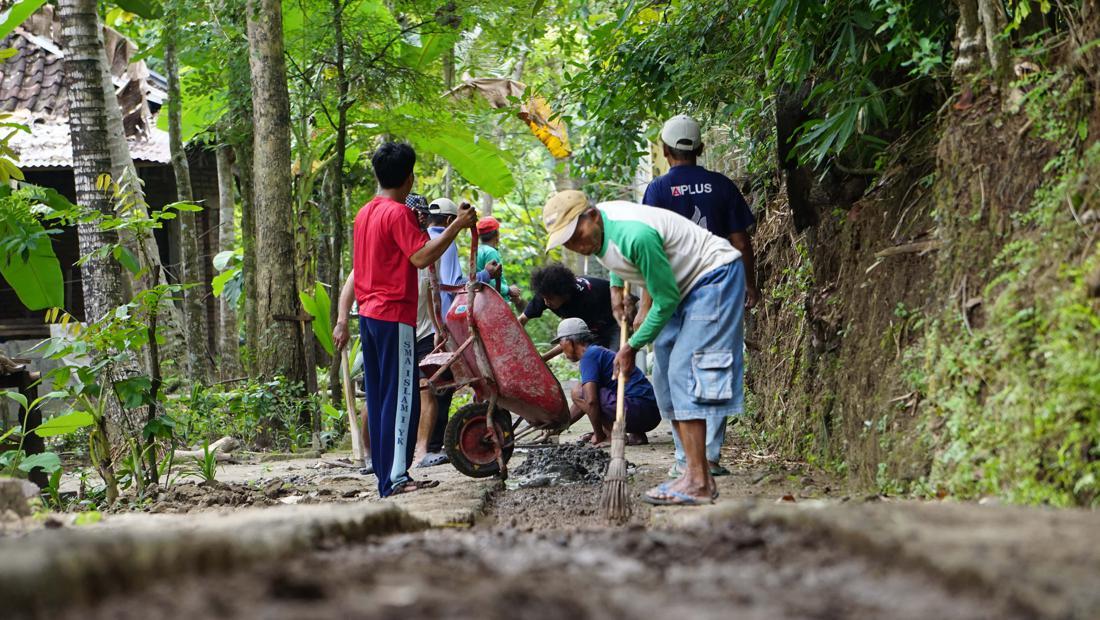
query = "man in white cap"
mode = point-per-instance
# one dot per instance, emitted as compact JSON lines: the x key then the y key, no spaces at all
{"x":696,"y":281}
{"x":596,"y":394}
{"x":713,"y":201}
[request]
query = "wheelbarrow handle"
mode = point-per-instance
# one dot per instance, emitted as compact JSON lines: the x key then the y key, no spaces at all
{"x":473,"y":253}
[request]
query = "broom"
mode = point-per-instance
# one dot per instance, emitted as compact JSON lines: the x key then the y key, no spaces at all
{"x":353,"y":415}
{"x":614,"y":500}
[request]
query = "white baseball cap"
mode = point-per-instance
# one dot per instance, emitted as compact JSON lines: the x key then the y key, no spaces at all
{"x":569,"y":328}
{"x":682,"y":132}
{"x":443,"y":206}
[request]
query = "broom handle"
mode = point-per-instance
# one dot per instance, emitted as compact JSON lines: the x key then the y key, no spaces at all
{"x":620,"y":393}
{"x":353,"y":415}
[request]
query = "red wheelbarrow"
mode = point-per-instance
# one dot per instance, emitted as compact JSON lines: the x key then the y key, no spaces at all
{"x":483,"y":346}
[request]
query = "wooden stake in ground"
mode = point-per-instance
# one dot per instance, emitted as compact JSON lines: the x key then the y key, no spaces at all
{"x":353,"y":414}
{"x":614,"y":500}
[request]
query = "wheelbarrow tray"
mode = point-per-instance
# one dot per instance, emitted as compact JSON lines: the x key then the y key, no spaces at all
{"x":524,"y":384}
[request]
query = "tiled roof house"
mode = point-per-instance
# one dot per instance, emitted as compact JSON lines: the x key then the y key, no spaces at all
{"x":33,"y":91}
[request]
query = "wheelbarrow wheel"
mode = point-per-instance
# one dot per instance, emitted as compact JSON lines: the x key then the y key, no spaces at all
{"x":469,"y":444}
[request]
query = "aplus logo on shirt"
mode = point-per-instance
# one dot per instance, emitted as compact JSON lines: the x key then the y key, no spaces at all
{"x":691,"y":190}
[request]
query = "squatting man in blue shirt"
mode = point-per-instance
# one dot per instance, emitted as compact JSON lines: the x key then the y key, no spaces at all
{"x":596,"y":393}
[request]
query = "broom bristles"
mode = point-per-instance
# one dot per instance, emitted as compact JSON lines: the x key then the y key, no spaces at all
{"x":615,"y":499}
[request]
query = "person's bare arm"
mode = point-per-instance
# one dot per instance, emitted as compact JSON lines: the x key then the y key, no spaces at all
{"x":343,"y":309}
{"x":552,"y":353}
{"x":743,"y":242}
{"x":591,"y":407}
{"x":643,"y":308}
{"x":433,"y":249}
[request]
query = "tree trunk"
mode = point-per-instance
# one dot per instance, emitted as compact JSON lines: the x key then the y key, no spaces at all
{"x":105,"y":285}
{"x":448,"y":84}
{"x":994,"y":23}
{"x":968,"y":39}
{"x":240,"y":137}
{"x":243,"y":150}
{"x":337,"y":207}
{"x":191,"y":272}
{"x":228,"y":334}
{"x":279,"y":344}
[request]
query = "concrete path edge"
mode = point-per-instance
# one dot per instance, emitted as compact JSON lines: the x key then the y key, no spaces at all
{"x":1005,"y":551}
{"x":51,"y":569}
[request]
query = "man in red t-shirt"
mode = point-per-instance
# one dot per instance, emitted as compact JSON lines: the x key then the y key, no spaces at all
{"x":388,"y":247}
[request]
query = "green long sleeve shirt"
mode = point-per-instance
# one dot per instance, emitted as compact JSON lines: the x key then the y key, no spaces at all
{"x":662,"y":251}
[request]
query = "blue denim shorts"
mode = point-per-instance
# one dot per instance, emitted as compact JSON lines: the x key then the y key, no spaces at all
{"x":700,"y":350}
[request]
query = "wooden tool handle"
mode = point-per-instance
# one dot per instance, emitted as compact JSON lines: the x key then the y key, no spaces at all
{"x":353,"y":414}
{"x":624,"y":337}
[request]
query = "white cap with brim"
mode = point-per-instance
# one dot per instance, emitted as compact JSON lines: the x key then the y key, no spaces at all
{"x":682,"y":132}
{"x":570,"y":328}
{"x":560,"y":216}
{"x":443,"y":206}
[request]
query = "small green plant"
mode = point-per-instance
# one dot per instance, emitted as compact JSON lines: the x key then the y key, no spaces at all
{"x":205,"y":468}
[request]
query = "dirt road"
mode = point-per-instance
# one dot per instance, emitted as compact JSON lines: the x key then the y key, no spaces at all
{"x":541,"y":550}
{"x":544,"y":552}
{"x":548,"y":566}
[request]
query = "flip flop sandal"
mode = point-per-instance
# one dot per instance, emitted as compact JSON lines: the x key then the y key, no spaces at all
{"x":676,"y":498}
{"x":661,"y":489}
{"x":718,"y":470}
{"x":585,"y":438}
{"x":433,"y":459}
{"x":412,"y":486}
{"x":366,"y":471}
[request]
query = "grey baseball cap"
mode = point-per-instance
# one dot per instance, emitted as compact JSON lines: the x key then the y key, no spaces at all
{"x":443,"y":206}
{"x":682,"y":132}
{"x":569,"y":328}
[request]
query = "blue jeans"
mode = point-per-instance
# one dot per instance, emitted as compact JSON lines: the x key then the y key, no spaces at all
{"x":699,"y":372}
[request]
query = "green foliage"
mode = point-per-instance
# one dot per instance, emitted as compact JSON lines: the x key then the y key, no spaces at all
{"x":261,"y":414}
{"x":201,"y":107}
{"x":230,"y":279}
{"x":1017,"y":399}
{"x":204,"y":468}
{"x":319,"y":306}
{"x":47,"y":461}
{"x":16,"y":14}
{"x":27,"y":259}
{"x":481,"y":162}
{"x":65,"y":424}
{"x":869,"y":64}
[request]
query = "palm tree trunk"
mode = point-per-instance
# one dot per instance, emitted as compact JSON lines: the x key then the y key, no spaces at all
{"x":279,"y":344}
{"x":105,"y":285}
{"x":191,"y":272}
{"x":144,"y":246}
{"x":229,"y":353}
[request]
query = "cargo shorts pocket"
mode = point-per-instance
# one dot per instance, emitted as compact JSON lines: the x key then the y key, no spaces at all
{"x":712,"y":376}
{"x":703,"y":303}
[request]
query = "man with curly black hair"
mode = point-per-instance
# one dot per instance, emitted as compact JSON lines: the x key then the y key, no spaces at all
{"x":558,"y":289}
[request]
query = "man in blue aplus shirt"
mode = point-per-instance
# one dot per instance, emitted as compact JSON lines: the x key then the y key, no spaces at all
{"x":711,"y":200}
{"x":597,"y":392}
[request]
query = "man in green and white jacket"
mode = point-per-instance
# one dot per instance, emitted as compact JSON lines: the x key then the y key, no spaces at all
{"x":697,"y":285}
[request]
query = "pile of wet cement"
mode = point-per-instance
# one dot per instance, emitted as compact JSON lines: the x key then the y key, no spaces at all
{"x":564,"y":463}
